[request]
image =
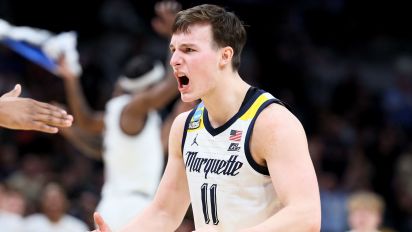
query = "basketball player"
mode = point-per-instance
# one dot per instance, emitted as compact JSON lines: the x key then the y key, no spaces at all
{"x":133,"y":154}
{"x":28,"y":114}
{"x":240,"y":157}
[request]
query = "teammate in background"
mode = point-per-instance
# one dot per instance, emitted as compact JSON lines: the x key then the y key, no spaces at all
{"x":27,"y":114}
{"x":365,"y":211}
{"x":240,"y":157}
{"x":133,"y":154}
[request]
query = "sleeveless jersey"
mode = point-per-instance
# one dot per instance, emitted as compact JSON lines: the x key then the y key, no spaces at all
{"x":133,"y":164}
{"x":228,"y":189}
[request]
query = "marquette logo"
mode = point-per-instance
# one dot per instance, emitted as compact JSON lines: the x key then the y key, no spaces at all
{"x":228,"y":167}
{"x":233,"y":147}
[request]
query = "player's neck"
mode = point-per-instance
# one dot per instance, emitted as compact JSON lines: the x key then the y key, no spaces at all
{"x":225,"y":100}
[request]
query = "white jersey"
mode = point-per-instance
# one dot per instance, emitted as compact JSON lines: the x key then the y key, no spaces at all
{"x":133,"y":165}
{"x":228,"y":189}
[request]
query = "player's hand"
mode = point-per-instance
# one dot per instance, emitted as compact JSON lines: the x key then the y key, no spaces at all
{"x":28,"y":114}
{"x":64,"y":131}
{"x":101,"y":225}
{"x":165,"y":16}
{"x":63,"y":69}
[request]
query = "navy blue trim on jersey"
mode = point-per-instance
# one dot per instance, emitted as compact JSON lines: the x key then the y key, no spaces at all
{"x":242,"y":110}
{"x":189,"y":117}
{"x":261,"y":169}
{"x":250,"y":92}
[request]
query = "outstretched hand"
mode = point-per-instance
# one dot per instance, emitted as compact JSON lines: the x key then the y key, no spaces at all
{"x":101,"y":224}
{"x":165,"y":16}
{"x":28,"y":114}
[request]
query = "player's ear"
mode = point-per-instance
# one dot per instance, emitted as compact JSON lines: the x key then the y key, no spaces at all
{"x":226,"y":56}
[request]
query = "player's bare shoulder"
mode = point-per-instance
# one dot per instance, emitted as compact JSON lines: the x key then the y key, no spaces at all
{"x":176,"y":131}
{"x":176,"y":134}
{"x":276,"y":119}
{"x":181,"y":118}
{"x":277,"y":113}
{"x":275,"y":125}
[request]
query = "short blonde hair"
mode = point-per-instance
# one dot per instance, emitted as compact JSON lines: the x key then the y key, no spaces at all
{"x":366,"y":200}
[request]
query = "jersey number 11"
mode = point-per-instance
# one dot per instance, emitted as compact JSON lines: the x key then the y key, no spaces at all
{"x":213,"y":203}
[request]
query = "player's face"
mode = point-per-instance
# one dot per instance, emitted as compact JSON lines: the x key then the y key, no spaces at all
{"x":195,"y":61}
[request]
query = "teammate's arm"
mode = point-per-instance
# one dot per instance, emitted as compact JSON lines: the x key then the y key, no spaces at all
{"x":172,"y":198}
{"x":85,"y":117}
{"x":279,"y":140}
{"x":28,"y":114}
{"x":88,"y":144}
{"x":161,"y":94}
{"x":153,"y":98}
{"x":164,"y":92}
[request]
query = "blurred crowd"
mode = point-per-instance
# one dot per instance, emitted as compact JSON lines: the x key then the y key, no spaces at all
{"x":345,"y":73}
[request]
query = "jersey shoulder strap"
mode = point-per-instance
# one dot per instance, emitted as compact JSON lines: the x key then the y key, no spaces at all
{"x":260,"y":101}
{"x":194,"y":121}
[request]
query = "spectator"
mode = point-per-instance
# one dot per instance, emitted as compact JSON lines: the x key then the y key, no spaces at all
{"x":365,"y":212}
{"x":54,"y":217}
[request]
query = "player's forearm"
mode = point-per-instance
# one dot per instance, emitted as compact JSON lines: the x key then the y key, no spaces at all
{"x":164,"y":92}
{"x":82,"y":113}
{"x":166,"y":211}
{"x":290,"y":218}
{"x":154,"y":99}
{"x":89,"y":149}
{"x":153,"y":219}
{"x":89,"y":145}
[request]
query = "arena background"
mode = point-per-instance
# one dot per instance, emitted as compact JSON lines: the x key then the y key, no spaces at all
{"x":343,"y":66}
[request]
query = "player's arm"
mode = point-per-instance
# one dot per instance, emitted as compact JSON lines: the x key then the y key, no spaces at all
{"x":172,"y":199}
{"x":178,"y":108}
{"x":88,"y":144}
{"x":85,"y":117}
{"x":154,"y":98}
{"x":279,"y":140}
{"x":162,"y":93}
{"x":159,"y":96}
{"x":28,"y":114}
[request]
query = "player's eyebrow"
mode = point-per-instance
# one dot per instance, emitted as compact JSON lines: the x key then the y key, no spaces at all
{"x":184,"y":45}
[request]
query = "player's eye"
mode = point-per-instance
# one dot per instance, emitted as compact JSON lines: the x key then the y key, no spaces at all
{"x":189,"y":50}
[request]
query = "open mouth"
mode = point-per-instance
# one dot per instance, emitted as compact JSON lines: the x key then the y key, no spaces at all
{"x":183,"y":81}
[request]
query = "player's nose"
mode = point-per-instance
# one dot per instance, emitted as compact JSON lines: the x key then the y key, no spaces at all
{"x":175,"y":60}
